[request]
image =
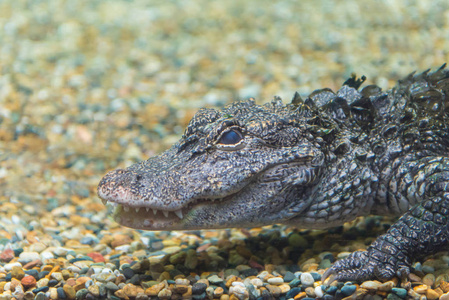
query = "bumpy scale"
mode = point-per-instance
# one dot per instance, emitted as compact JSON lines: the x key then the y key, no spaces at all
{"x":311,"y":164}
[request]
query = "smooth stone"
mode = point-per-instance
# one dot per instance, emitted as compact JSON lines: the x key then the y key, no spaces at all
{"x":289,"y":276}
{"x":307,"y":279}
{"x":293,"y":292}
{"x":295,"y":282}
{"x":348,"y":290}
{"x":319,"y":292}
{"x":275,"y":280}
{"x":371,"y":285}
{"x":26,"y":257}
{"x":400,"y":292}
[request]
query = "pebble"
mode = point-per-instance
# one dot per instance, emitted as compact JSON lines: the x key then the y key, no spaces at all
{"x":348,"y":290}
{"x":307,"y":279}
{"x":275,"y":280}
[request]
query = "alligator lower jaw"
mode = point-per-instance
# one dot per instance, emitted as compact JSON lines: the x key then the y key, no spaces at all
{"x":146,"y":218}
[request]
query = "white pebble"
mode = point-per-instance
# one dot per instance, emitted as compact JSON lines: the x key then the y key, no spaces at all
{"x":238,"y":283}
{"x":256,"y":282}
{"x":275,"y":280}
{"x":26,"y":257}
{"x":47,"y":255}
{"x":8,"y":267}
{"x":307,"y":279}
{"x":319,"y":292}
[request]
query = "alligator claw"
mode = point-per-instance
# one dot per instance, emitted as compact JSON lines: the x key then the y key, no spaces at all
{"x":364,"y":265}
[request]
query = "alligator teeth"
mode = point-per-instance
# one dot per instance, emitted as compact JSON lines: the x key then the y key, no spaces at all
{"x":137,"y":209}
{"x":154,"y":211}
{"x":178,"y":213}
{"x":147,"y":209}
{"x":165,"y":213}
{"x":126,"y":208}
{"x":104,"y":201}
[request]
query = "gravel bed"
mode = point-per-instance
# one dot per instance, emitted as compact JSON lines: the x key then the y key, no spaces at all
{"x":90,"y":86}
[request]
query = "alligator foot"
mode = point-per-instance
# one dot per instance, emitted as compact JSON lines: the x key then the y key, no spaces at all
{"x":363,"y":265}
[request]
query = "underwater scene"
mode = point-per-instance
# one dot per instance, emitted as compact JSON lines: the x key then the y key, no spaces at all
{"x":224,"y":149}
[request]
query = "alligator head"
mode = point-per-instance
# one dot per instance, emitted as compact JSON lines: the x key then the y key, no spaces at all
{"x":246,"y":165}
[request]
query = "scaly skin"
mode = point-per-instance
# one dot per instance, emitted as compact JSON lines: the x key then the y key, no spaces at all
{"x":312,"y":164}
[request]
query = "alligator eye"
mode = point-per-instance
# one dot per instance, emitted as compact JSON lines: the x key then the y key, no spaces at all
{"x":230,"y":137}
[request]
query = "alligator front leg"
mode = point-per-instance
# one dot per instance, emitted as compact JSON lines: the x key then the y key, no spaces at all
{"x":422,"y":231}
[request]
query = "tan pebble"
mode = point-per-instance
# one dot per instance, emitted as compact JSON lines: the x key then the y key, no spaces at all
{"x":42,"y":282}
{"x":218,"y":292}
{"x":413,"y":294}
{"x":180,"y":288}
{"x":439,"y":291}
{"x":53,"y":293}
{"x":130,"y":290}
{"x":182,"y":281}
{"x":386,"y":286}
{"x":256,"y":282}
{"x":2,"y":286}
{"x":188,"y":294}
{"x":57,"y":275}
{"x":155,"y":289}
{"x":300,"y":296}
{"x":120,"y":239}
{"x":360,"y":292}
{"x":432,"y":295}
{"x":121,"y":294}
{"x":441,"y":278}
{"x":284,"y":288}
{"x":262,"y":275}
{"x":310,"y":291}
{"x":71,"y":281}
{"x":14,"y":283}
{"x":444,"y":286}
{"x":429,"y":280}
{"x":29,"y":295}
{"x":66,"y":274}
{"x":205,"y":281}
{"x":269,"y":268}
{"x":444,"y":296}
{"x":421,"y":289}
{"x":371,"y":285}
{"x":231,"y":280}
{"x":17,"y":272}
{"x":274,"y":290}
{"x":414,"y":277}
{"x":69,"y":291}
{"x":28,"y":281}
{"x":94,"y":290}
{"x":224,"y":297}
{"x":165,"y":294}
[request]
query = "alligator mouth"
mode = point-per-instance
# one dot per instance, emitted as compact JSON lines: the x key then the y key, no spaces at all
{"x":147,"y":218}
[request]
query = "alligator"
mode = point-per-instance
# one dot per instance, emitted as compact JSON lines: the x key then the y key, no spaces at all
{"x":313,"y":163}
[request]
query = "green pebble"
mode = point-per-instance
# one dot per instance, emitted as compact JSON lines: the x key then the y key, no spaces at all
{"x":295,"y":282}
{"x":81,"y":294}
{"x":400,"y":292}
{"x":296,"y":240}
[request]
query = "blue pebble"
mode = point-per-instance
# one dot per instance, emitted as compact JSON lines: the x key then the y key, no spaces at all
{"x":295,"y":282}
{"x":330,"y":290}
{"x":348,"y":290}
{"x":400,"y":292}
{"x":316,"y":276}
{"x":293,"y":292}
